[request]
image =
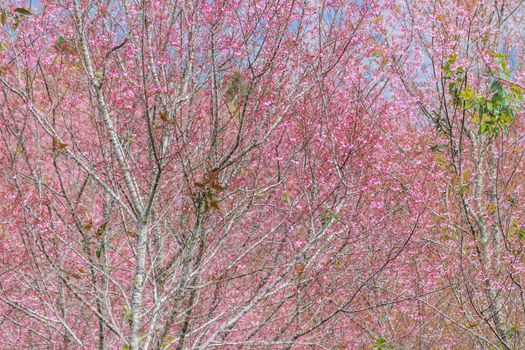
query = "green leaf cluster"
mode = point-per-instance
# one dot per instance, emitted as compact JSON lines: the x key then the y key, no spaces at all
{"x":11,"y":20}
{"x":381,"y":344}
{"x":517,"y":229}
{"x":207,"y":192}
{"x":455,"y":78}
{"x":493,"y":111}
{"x":327,"y":216}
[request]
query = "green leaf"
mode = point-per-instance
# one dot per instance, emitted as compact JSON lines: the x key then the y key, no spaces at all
{"x":61,"y":41}
{"x":328,"y":216}
{"x":468,"y":93}
{"x":441,"y":160}
{"x":23,"y":11}
{"x":435,"y":148}
{"x":518,"y":93}
{"x":483,"y":127}
{"x":102,"y":229}
{"x":65,"y":45}
{"x":381,"y":344}
{"x":100,"y":249}
{"x":127,"y":313}
{"x":495,"y":86}
{"x":521,"y":233}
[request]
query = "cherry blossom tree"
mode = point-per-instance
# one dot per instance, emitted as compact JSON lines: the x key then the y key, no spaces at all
{"x":461,"y":74}
{"x":194,"y":174}
{"x":261,"y":174}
